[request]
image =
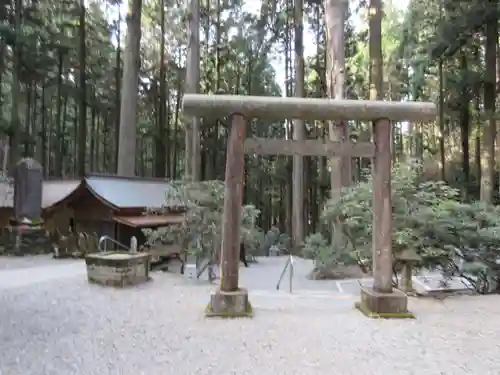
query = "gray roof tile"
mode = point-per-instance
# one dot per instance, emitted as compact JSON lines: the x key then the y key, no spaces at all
{"x":129,"y":193}
{"x":53,"y":191}
{"x":118,"y":191}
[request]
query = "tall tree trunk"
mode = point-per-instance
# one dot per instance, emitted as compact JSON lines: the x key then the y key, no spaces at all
{"x":218,"y":67}
{"x":160,"y":142}
{"x":93,"y":133}
{"x":64,"y":146}
{"x":489,"y":131}
{"x":442,"y":152}
{"x":15,"y":126}
{"x":75,"y":140}
{"x":298,"y":200}
{"x":60,"y":138}
{"x":128,"y":106}
{"x":82,"y":123}
{"x":289,"y":131}
{"x":98,"y":158}
{"x":320,"y":64}
{"x":108,"y":155}
{"x":335,"y":11}
{"x":27,"y":120}
{"x":44,"y":154}
{"x":375,"y":50}
{"x":464,"y":125}
{"x":168,"y":134}
{"x":118,"y":73}
{"x":35,"y":129}
{"x":193,"y":151}
{"x":175,"y":162}
{"x":3,"y":63}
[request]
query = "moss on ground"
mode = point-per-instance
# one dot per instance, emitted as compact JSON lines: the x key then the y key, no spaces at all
{"x":228,"y":315}
{"x":370,"y":314}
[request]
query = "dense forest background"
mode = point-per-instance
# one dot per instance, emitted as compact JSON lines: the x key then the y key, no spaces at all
{"x":68,"y":98}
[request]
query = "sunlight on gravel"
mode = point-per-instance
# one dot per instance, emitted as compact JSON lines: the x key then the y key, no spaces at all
{"x":65,"y":327}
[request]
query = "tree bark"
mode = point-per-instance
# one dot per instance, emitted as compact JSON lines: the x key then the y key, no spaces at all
{"x":489,"y":131}
{"x":59,"y":109}
{"x":128,"y":109}
{"x":15,"y":125}
{"x":82,"y":121}
{"x":375,"y":52}
{"x":118,"y":72}
{"x":464,"y":125}
{"x":441,"y":107}
{"x":193,"y":149}
{"x":298,"y":132}
{"x":442,"y":152}
{"x":160,"y":141}
{"x":335,"y":13}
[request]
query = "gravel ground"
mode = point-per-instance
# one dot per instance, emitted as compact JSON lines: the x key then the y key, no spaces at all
{"x":63,"y":326}
{"x":11,"y":262}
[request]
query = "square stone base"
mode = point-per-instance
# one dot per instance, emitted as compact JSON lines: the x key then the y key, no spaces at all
{"x":393,"y":305}
{"x":26,"y":240}
{"x":229,"y":304}
{"x":118,"y":269}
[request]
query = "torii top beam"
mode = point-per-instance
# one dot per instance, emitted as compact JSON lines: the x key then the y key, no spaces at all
{"x":279,"y":108}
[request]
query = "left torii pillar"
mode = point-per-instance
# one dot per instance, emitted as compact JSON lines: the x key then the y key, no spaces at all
{"x":230,"y":300}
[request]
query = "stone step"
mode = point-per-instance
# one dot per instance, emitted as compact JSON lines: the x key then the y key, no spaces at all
{"x":422,"y":284}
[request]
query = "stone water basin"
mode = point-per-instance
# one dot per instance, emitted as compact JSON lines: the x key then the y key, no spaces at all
{"x":118,"y":269}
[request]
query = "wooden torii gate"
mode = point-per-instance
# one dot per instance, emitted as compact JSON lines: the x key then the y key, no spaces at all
{"x":379,"y":300}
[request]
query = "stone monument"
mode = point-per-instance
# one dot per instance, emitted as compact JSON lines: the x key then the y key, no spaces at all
{"x":27,"y":234}
{"x":133,"y":244}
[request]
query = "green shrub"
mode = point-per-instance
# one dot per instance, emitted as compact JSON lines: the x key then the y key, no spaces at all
{"x":428,"y":217}
{"x":274,"y":237}
{"x":201,"y":230}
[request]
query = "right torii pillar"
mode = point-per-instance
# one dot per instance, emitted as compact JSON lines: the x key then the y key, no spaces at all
{"x":381,"y":300}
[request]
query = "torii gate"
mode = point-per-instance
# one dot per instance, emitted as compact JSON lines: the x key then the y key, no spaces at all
{"x":380,"y":300}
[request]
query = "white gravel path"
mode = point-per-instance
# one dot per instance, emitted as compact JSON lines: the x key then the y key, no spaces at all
{"x":63,"y":326}
{"x":13,"y":262}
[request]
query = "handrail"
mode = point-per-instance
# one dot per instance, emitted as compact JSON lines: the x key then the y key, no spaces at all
{"x":103,"y":240}
{"x":289,"y":263}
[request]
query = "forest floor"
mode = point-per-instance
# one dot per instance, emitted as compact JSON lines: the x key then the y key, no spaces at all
{"x":52,"y":322}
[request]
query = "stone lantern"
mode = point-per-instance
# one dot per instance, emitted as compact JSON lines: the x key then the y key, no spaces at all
{"x":407,"y":259}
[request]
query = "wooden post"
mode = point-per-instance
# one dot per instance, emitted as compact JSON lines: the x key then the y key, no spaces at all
{"x":377,"y":301}
{"x":233,"y":199}
{"x":382,"y":207}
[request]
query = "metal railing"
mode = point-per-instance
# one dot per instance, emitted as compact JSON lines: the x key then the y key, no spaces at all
{"x":104,"y":240}
{"x":289,"y":264}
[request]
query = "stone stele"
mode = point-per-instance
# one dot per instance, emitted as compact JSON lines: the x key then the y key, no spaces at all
{"x":28,"y":175}
{"x":118,"y":269}
{"x":26,"y":232}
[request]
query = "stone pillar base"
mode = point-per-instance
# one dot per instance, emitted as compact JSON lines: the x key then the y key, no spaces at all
{"x":24,"y":239}
{"x":393,"y":305}
{"x":229,"y":304}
